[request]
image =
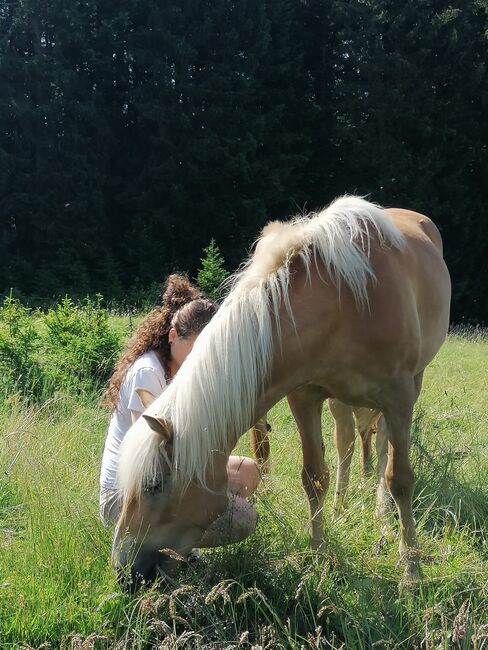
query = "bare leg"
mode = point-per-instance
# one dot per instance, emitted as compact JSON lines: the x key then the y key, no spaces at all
{"x":344,"y":434}
{"x":238,"y":522}
{"x":306,"y":405}
{"x":243,"y":475}
{"x":240,"y":517}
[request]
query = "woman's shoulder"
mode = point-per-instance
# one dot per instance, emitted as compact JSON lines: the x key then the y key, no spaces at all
{"x":146,"y":372}
{"x":147,"y":361}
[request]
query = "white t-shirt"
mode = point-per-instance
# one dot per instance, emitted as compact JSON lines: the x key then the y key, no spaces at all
{"x":146,"y":372}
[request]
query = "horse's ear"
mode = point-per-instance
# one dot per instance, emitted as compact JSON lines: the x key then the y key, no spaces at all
{"x":145,"y":396}
{"x":158,"y":425}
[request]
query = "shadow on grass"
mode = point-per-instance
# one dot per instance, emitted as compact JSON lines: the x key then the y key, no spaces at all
{"x":451,"y":483}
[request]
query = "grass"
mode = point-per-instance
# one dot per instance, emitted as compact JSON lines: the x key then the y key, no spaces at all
{"x":57,"y":585}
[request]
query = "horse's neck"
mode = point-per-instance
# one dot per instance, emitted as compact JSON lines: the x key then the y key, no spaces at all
{"x":284,"y":378}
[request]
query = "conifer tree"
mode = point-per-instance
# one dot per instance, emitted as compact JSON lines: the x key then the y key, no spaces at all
{"x":212,"y":273}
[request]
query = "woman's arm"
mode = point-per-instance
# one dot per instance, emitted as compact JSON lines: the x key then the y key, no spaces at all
{"x":147,"y":398}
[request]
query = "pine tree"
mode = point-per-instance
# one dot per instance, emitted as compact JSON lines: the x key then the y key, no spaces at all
{"x":212,"y":273}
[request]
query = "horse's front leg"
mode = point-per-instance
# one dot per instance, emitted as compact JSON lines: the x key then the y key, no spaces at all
{"x":344,"y":434}
{"x":306,"y":405}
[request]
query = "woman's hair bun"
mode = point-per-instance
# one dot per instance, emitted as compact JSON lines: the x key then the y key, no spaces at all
{"x":178,"y":290}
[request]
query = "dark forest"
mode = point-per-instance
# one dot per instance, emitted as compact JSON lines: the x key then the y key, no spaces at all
{"x":134,"y":132}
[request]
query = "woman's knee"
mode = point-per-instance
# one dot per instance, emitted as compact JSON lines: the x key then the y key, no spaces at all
{"x":253,"y":474}
{"x":244,"y":475}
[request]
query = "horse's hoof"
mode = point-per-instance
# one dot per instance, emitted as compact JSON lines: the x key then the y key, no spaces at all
{"x":412,"y":577}
{"x":317,"y":545}
{"x":380,"y":545}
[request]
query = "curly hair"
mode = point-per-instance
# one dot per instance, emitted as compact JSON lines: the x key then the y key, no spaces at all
{"x":185,"y":308}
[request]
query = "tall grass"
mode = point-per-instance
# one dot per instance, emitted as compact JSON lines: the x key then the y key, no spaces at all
{"x":70,"y":348}
{"x":57,"y":585}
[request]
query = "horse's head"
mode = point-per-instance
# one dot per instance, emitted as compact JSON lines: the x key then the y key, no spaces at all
{"x":161,"y":519}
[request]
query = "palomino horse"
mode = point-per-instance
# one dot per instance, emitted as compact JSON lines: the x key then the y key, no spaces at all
{"x":352,"y":303}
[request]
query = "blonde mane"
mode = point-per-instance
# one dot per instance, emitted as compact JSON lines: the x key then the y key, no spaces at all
{"x":211,"y":401}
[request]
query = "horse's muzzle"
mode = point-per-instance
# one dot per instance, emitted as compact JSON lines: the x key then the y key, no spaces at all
{"x":142,"y":569}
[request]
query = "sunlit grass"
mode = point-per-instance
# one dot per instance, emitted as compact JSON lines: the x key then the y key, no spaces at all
{"x":57,"y":585}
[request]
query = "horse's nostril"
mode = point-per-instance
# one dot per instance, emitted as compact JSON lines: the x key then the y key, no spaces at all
{"x":134,"y":579}
{"x":137,"y":576}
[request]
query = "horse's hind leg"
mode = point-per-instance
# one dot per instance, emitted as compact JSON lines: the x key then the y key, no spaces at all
{"x":366,"y":423}
{"x":383,"y":497}
{"x":260,"y":444}
{"x":306,"y":405}
{"x":344,"y":434}
{"x":399,"y":474}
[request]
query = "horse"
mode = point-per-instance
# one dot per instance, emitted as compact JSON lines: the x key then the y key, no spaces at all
{"x":351,"y":303}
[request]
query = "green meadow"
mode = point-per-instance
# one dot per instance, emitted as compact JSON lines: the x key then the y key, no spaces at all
{"x":58,"y":590}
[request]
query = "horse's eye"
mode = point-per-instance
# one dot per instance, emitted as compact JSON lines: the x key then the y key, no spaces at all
{"x":151,"y":487}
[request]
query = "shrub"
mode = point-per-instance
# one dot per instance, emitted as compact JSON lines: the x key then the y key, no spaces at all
{"x":81,"y":348}
{"x":20,"y":343}
{"x":71,"y":348}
